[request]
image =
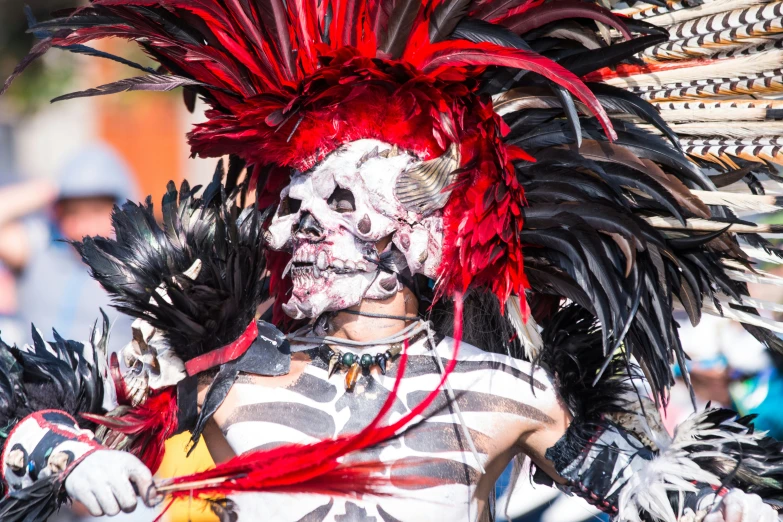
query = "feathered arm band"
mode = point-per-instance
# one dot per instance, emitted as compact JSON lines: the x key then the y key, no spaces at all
{"x":616,"y":454}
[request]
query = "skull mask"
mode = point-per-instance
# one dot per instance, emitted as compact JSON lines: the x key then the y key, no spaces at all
{"x":350,"y":236}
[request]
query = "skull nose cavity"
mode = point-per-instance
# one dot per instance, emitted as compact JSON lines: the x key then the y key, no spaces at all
{"x":309,"y":226}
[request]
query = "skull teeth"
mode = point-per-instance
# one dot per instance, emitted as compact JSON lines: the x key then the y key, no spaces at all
{"x":321,"y":267}
{"x":322,"y":262}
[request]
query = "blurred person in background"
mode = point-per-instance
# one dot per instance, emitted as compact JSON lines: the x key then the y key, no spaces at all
{"x":16,"y":201}
{"x":729,"y":368}
{"x":54,"y":288}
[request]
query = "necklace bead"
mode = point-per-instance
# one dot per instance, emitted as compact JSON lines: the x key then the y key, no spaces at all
{"x":348,"y":359}
{"x":366,"y":361}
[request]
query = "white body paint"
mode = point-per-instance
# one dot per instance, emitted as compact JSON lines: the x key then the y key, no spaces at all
{"x":500,"y":401}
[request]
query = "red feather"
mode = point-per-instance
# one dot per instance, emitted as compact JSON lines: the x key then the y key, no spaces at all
{"x":440,"y":56}
{"x":143,"y":430}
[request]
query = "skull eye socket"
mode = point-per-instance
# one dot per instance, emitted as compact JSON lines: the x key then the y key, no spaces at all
{"x":289,"y":206}
{"x":342,"y":200}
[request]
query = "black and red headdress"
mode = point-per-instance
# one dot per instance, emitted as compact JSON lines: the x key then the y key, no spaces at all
{"x":289,"y":82}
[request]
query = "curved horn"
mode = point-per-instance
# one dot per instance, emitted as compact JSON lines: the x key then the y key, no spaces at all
{"x":422,"y":187}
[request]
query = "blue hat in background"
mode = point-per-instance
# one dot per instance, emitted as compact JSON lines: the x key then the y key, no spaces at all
{"x":97,"y":171}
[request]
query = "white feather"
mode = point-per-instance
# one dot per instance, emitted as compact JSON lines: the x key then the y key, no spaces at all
{"x":758,"y":304}
{"x":527,"y":330}
{"x":674,"y":469}
{"x":761,"y":255}
{"x":761,"y":277}
{"x":742,"y":202}
{"x":740,"y":316}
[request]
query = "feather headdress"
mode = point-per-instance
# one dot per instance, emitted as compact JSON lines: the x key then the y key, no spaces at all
{"x":570,"y":184}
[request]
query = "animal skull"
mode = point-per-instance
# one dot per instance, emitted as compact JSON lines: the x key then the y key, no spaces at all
{"x":152,"y":363}
{"x":349,"y":235}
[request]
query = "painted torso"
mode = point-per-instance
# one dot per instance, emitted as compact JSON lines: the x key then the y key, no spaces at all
{"x":500,"y":398}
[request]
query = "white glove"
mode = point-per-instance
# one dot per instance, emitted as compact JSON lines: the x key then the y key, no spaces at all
{"x":104,"y":482}
{"x":739,"y":506}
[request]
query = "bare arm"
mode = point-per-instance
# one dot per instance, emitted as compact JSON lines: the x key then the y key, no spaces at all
{"x":21,"y":199}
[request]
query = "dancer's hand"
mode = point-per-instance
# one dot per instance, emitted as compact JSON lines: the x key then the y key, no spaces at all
{"x":104,"y":482}
{"x":739,"y":506}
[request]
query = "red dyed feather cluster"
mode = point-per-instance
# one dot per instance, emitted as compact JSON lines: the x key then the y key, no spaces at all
{"x":144,"y":429}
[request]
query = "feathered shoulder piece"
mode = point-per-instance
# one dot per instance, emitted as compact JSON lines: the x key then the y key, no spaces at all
{"x":60,"y":375}
{"x":197,"y":277}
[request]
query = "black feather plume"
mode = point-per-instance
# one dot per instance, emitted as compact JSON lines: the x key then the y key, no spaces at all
{"x":198,"y":315}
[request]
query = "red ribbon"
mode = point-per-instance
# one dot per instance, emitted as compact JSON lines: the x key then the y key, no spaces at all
{"x":223,"y":355}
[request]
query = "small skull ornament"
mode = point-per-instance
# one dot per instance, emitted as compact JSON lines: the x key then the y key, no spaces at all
{"x":152,"y":363}
{"x":348,"y":234}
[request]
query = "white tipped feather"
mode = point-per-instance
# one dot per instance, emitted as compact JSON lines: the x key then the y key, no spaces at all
{"x":517,"y":100}
{"x":706,"y":225}
{"x":743,"y":317}
{"x":759,"y":277}
{"x":758,"y":304}
{"x":527,"y":330}
{"x":674,"y":469}
{"x":707,"y":8}
{"x":741,"y":202}
{"x":760,"y":254}
{"x":728,"y":68}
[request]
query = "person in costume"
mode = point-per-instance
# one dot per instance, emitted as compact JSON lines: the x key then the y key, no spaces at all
{"x":427,"y":189}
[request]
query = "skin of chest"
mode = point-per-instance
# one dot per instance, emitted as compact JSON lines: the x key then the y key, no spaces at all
{"x":500,"y":400}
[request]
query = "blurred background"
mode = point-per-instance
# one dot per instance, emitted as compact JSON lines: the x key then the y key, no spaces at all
{"x":63,"y":166}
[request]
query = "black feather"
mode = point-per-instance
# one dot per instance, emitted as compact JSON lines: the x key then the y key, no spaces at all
{"x":615,"y":99}
{"x":152,"y":82}
{"x":208,"y":312}
{"x":399,"y":27}
{"x":445,"y":18}
{"x":35,"y":503}
{"x":593,"y":59}
{"x":570,"y":110}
